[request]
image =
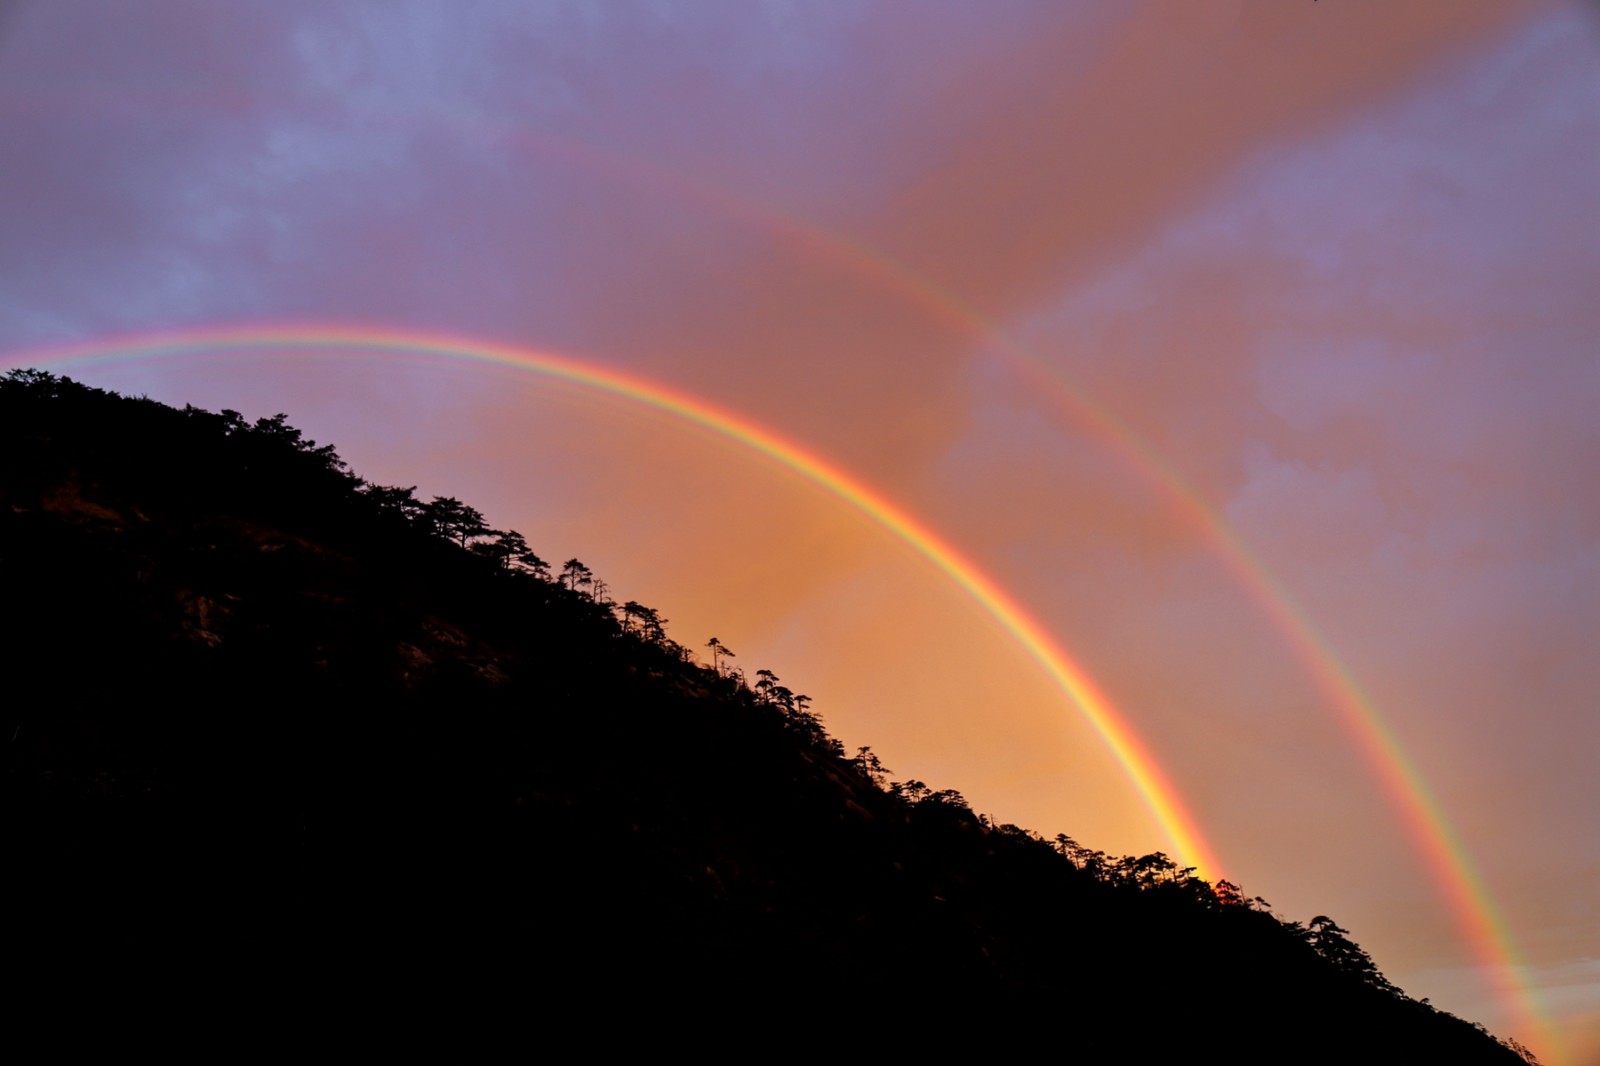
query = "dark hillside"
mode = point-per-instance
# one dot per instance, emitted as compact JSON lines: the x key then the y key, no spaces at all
{"x":284,"y":738}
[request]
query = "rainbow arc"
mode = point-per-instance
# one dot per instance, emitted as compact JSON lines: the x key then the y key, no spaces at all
{"x":1149,"y":781}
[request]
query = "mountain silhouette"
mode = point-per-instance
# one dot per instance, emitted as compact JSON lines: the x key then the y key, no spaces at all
{"x":316,"y":756}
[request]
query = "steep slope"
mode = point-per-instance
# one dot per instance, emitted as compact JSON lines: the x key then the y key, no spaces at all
{"x":280,"y":736}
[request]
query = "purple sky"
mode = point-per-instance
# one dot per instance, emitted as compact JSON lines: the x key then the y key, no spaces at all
{"x":1335,"y":263}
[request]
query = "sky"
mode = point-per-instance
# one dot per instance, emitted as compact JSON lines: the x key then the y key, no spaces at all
{"x":1246,"y":354}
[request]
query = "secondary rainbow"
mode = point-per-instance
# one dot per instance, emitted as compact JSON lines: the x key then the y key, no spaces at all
{"x":1448,"y":860}
{"x":1149,"y":781}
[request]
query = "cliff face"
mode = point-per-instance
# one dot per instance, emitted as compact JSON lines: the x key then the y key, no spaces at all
{"x":276,"y":740}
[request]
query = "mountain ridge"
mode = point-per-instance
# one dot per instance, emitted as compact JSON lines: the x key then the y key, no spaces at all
{"x":274,"y":717}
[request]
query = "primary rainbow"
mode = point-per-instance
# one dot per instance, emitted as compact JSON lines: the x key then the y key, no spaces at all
{"x":1149,"y":781}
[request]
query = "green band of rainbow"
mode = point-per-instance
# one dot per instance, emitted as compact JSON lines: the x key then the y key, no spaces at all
{"x":1146,"y":776}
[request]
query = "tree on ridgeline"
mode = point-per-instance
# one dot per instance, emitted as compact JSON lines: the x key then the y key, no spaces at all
{"x":276,"y":431}
{"x":449,"y":518}
{"x":946,"y":797}
{"x":781,"y":697}
{"x":912,"y":791}
{"x":719,"y":651}
{"x":871,"y":766}
{"x":652,"y":627}
{"x":534,"y":565}
{"x":41,"y":384}
{"x":232,"y":422}
{"x":492,"y":550}
{"x":576,"y":576}
{"x":510,"y":549}
{"x":1147,"y":871}
{"x":1517,"y":1046}
{"x":396,"y":502}
{"x":505,"y":549}
{"x":1227,"y":894}
{"x":1334,"y":944}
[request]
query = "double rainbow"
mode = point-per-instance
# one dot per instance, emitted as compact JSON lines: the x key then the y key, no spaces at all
{"x":1447,"y":857}
{"x":1426,"y":822}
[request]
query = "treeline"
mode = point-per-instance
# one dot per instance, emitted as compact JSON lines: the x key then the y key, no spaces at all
{"x":268,"y":470}
{"x":277,"y":463}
